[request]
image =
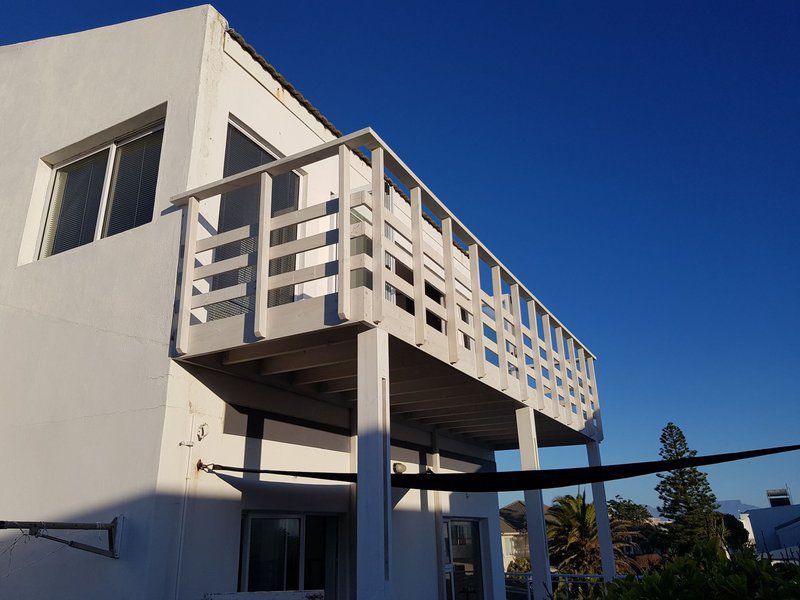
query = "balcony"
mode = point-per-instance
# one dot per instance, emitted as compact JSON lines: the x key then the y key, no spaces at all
{"x":372,"y":246}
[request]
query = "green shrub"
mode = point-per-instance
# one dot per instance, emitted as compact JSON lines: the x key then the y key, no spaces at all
{"x":707,"y":574}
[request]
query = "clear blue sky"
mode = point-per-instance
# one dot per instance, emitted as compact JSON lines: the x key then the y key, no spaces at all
{"x":635,"y":164}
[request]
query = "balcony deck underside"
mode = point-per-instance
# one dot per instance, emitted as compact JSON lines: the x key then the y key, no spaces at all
{"x":425,"y":392}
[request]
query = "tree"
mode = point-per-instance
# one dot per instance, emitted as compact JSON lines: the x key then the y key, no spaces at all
{"x":628,"y":510}
{"x":650,"y":544}
{"x":736,"y":536}
{"x":573,"y":541}
{"x":686,"y":496}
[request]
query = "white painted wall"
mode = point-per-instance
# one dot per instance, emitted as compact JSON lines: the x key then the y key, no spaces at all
{"x":94,"y":410}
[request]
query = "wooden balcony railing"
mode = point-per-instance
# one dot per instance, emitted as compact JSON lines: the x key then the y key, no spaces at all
{"x":403,"y":261}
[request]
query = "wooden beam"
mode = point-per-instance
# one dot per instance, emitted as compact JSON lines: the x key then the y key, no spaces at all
{"x":306,"y":359}
{"x":336,"y":371}
{"x":289,"y":345}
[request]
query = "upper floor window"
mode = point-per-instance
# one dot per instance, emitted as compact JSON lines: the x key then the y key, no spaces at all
{"x":105,"y":193}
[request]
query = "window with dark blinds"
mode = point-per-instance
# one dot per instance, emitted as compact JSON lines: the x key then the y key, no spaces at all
{"x":239,"y":208}
{"x":133,"y":187}
{"x":75,"y":204}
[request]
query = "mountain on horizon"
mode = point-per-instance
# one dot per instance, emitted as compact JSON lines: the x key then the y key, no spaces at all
{"x":731,"y":507}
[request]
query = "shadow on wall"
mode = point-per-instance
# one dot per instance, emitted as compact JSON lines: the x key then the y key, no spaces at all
{"x":34,"y":568}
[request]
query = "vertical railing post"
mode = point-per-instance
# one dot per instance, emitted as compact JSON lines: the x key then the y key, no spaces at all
{"x":450,"y":289}
{"x":596,"y":395}
{"x":583,"y":387}
{"x":344,"y":232}
{"x":522,"y":366}
{"x":187,"y":276}
{"x":574,"y":368}
{"x":564,"y":381}
{"x":500,"y":327}
{"x":418,"y":260}
{"x":551,"y":361}
{"x":477,"y":309}
{"x":262,"y":260}
{"x":537,"y":360}
{"x":378,"y":267}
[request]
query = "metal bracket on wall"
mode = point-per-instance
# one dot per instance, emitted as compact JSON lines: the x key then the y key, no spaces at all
{"x":40,"y":529}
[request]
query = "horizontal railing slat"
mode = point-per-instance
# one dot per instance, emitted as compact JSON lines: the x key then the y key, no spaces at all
{"x":436,"y":308}
{"x":223,"y":266}
{"x":312,"y":242}
{"x":227,"y":237}
{"x":228,"y":293}
{"x":304,"y":275}
{"x":315,"y":211}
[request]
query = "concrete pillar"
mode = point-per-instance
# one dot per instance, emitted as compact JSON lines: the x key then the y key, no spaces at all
{"x":534,"y":507}
{"x":374,"y":492}
{"x":601,"y":514}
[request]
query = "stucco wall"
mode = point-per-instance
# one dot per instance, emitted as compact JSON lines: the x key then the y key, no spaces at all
{"x":84,"y":335}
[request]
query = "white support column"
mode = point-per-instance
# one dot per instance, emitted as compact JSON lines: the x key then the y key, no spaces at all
{"x":344,"y":233}
{"x":374,"y":492}
{"x":438,"y":521}
{"x":534,"y":507}
{"x":262,"y":259}
{"x":601,"y":514}
{"x":378,"y":258}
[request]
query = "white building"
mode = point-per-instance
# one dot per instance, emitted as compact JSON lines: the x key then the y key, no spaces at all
{"x":774,"y":531}
{"x":145,"y":325}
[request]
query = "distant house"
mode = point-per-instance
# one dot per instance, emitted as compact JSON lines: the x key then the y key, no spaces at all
{"x":514,"y":532}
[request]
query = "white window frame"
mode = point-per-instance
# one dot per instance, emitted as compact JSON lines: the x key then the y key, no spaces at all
{"x":483,"y":548}
{"x":247,"y":518}
{"x":102,"y":217}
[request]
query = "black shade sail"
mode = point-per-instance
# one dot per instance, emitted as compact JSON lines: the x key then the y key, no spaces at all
{"x":509,"y":481}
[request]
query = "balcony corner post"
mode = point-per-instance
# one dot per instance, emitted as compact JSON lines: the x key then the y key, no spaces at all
{"x":378,"y":258}
{"x":191,"y":212}
{"x":262,"y":258}
{"x":344,"y":233}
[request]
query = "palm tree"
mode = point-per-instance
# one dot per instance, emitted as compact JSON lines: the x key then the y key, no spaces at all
{"x":572,"y":537}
